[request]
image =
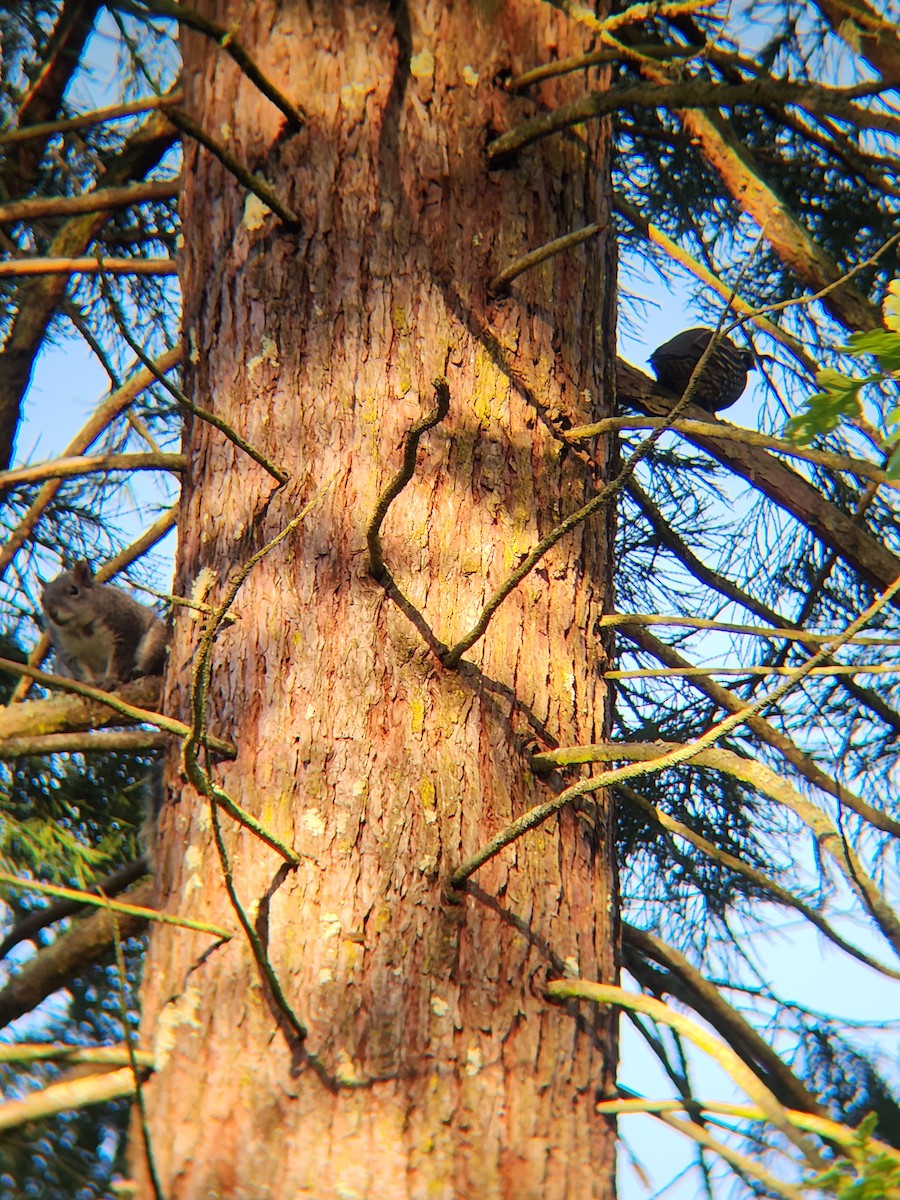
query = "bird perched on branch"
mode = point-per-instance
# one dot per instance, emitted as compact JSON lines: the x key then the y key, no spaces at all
{"x":724,"y":374}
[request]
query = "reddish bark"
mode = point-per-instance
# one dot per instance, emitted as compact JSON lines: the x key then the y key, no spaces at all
{"x":434,"y":1065}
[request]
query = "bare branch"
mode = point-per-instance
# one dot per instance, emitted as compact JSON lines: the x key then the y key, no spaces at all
{"x":28,"y":927}
{"x":757,"y":878}
{"x":869,"y":557}
{"x":62,"y":715}
{"x":39,"y":297}
{"x":96,"y":117}
{"x":67,"y":1095}
{"x":91,"y":900}
{"x":16,"y":267}
{"x":801,"y":762}
{"x":225,"y":38}
{"x":42,"y":100}
{"x":732,"y":1063}
{"x":748,"y":437}
{"x":93,"y":742}
{"x":90,"y":941}
{"x":100,"y":200}
{"x":252,"y":181}
{"x":504,"y":278}
{"x":65,"y":468}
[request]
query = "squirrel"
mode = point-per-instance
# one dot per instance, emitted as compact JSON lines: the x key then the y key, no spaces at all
{"x":100,"y":634}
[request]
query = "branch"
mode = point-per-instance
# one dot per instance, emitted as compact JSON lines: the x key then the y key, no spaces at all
{"x":38,"y":299}
{"x":830,"y":1131}
{"x":89,"y":899}
{"x":724,"y":432}
{"x":252,"y":181}
{"x":769,"y":885}
{"x":614,"y":620}
{"x":71,"y":715}
{"x":731,"y":1063}
{"x":98,"y":201}
{"x":65,"y":468}
{"x":63,"y":1052}
{"x":709,"y":1004}
{"x":68,"y":1095}
{"x":720,"y":583}
{"x":90,"y":941}
{"x":801,"y":762}
{"x":225,"y":39}
{"x":869,"y":557}
{"x":404,"y":475}
{"x":93,"y":742}
{"x":658,"y":755}
{"x":16,"y":267}
{"x":28,"y":927}
{"x":501,"y":281}
{"x":60,"y":61}
{"x":202,"y":414}
{"x":96,"y":117}
{"x":689,"y":95}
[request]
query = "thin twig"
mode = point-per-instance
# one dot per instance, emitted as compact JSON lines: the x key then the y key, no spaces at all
{"x":256,"y":946}
{"x":118,"y":906}
{"x":612,"y":620}
{"x":501,"y":281}
{"x":405,"y":474}
{"x":136,"y":1070}
{"x":252,"y":181}
{"x":604,"y":497}
{"x":684,"y":753}
{"x":225,"y":39}
{"x":762,"y":671}
{"x":175,"y":391}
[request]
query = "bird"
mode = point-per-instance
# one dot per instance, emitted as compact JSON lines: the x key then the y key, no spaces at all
{"x":724,"y":375}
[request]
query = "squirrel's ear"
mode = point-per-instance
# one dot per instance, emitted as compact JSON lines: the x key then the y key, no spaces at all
{"x":83,"y":573}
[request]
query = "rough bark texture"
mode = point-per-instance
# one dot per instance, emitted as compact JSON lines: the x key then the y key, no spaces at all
{"x":433,"y":1066}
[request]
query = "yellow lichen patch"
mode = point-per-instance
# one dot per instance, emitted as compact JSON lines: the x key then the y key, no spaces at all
{"x":428,"y":792}
{"x":421,"y":65}
{"x":470,"y":76}
{"x":417,"y":713}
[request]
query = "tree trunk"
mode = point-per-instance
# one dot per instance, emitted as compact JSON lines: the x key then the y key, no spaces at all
{"x":433,"y":1064}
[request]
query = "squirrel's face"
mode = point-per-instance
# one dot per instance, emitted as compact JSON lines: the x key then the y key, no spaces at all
{"x":67,"y":598}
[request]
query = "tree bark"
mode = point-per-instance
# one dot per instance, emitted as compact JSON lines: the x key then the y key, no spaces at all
{"x":433,"y":1064}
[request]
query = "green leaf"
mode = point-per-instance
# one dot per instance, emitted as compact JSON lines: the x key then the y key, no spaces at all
{"x":883,"y":343}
